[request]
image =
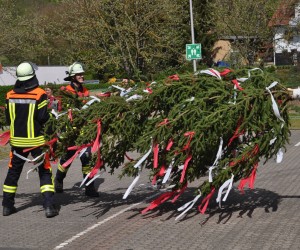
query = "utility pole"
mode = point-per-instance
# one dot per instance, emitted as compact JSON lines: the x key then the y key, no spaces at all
{"x":192,"y":32}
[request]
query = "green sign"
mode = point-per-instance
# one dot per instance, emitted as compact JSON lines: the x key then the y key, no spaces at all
{"x":193,"y":51}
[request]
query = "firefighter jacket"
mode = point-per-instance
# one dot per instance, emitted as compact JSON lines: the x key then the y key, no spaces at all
{"x":80,"y":91}
{"x":26,"y":112}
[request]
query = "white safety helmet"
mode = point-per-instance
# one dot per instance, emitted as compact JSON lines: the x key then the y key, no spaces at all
{"x":25,"y":71}
{"x":75,"y":68}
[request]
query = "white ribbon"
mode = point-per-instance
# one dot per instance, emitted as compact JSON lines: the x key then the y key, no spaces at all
{"x":95,"y":177}
{"x":279,"y":155}
{"x":129,"y":189}
{"x":137,"y":165}
{"x":94,"y":99}
{"x":274,"y":104}
{"x":243,"y":79}
{"x":82,"y":151}
{"x":143,"y":158}
{"x":211,"y":72}
{"x":134,"y":97}
{"x":123,"y":91}
{"x":31,"y":170}
{"x":84,"y":180}
{"x":119,"y":88}
{"x":27,"y":159}
{"x":187,"y":206}
{"x":234,"y":95}
{"x":168,"y":173}
{"x":227,"y":184}
{"x":30,"y":161}
{"x":218,"y":157}
{"x":296,"y":93}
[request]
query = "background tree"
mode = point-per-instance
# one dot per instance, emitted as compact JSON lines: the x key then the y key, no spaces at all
{"x":245,"y":22}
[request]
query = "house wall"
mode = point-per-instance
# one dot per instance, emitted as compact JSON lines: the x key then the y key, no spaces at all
{"x":45,"y":74}
{"x":287,"y":52}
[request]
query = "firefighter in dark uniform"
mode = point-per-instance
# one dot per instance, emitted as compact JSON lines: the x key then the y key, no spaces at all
{"x":26,"y":112}
{"x":76,"y":78}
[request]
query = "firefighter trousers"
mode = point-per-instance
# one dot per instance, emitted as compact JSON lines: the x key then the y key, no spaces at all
{"x":15,"y":169}
{"x":85,"y":159}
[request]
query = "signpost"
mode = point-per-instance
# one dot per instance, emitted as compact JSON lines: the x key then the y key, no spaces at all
{"x":192,"y":33}
{"x":193,"y":51}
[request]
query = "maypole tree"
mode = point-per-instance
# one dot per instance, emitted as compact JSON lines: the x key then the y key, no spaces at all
{"x":212,"y":124}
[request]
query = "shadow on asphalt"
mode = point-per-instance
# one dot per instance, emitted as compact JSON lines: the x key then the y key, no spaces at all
{"x":237,"y":204}
{"x":75,"y":195}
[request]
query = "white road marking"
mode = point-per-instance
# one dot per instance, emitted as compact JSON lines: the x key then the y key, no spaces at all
{"x":73,"y":238}
{"x":298,"y":144}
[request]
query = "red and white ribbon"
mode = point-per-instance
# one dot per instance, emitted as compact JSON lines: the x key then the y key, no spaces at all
{"x":211,"y":72}
{"x":218,"y":157}
{"x":226,"y":185}
{"x":204,"y":204}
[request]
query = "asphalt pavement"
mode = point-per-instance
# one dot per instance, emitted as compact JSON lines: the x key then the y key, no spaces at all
{"x":266,"y":217}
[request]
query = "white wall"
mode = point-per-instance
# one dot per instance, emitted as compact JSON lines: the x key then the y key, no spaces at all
{"x":53,"y":74}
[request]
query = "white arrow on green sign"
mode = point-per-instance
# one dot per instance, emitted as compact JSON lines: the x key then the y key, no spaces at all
{"x":193,"y":51}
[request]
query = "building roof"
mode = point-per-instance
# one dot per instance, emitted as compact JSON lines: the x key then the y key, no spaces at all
{"x":284,"y":13}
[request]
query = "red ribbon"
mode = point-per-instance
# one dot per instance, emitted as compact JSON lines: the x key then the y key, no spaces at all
{"x":4,"y":138}
{"x":106,"y":94}
{"x":185,"y":167}
{"x":250,"y":180}
{"x":78,"y":149}
{"x":128,"y":158}
{"x":174,"y":77}
{"x":250,"y":154}
{"x":97,"y":166}
{"x":49,"y":143}
{"x":170,"y":144}
{"x":180,"y":191}
{"x":225,"y":72}
{"x":236,"y":83}
{"x":190,"y":135}
{"x":203,"y":206}
{"x":236,"y":132}
{"x":159,"y":174}
{"x":155,"y":155}
{"x":97,"y":141}
{"x":164,"y":122}
{"x":70,"y":116}
{"x":162,"y":198}
{"x":150,"y":91}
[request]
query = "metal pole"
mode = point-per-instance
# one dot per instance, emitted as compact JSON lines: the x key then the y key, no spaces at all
{"x":192,"y":32}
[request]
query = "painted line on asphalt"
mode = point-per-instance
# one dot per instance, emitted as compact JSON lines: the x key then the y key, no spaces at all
{"x":298,"y":144}
{"x":77,"y":236}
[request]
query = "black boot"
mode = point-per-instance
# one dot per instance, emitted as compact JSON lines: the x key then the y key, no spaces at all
{"x":9,"y":210}
{"x":51,"y":211}
{"x":90,"y":190}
